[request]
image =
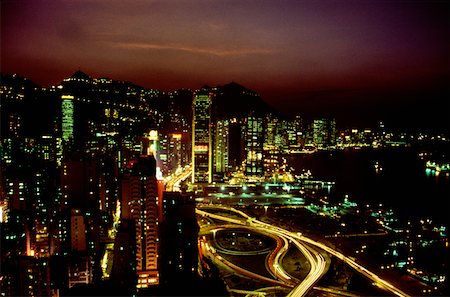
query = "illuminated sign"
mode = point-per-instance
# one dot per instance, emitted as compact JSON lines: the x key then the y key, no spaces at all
{"x":200,"y":148}
{"x":176,"y":136}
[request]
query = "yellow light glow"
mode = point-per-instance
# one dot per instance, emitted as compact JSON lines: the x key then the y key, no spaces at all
{"x":153,"y":135}
{"x":2,"y":214}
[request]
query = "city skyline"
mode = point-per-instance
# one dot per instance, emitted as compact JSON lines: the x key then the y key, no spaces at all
{"x":224,"y":148}
{"x":352,"y":59}
{"x":96,"y":195}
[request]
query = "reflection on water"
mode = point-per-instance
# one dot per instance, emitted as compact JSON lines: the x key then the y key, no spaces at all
{"x":396,"y":177}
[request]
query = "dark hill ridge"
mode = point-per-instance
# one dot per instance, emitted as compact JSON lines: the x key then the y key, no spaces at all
{"x":230,"y":100}
{"x":80,"y":75}
{"x":234,"y":100}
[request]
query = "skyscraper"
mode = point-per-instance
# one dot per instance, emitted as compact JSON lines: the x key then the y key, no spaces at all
{"x":67,"y":107}
{"x":254,"y":146}
{"x":77,"y":231}
{"x":221,"y":146}
{"x":179,"y":235}
{"x":140,"y":203}
{"x":324,"y":133}
{"x":201,"y":138}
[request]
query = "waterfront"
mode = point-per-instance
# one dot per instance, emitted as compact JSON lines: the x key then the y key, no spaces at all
{"x":400,"y":181}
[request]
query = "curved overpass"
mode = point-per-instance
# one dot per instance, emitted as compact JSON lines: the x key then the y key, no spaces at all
{"x":316,"y":260}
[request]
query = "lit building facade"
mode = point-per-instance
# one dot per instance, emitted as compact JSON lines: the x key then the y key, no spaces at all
{"x":77,"y":231}
{"x":254,"y":165}
{"x":140,"y":204}
{"x":324,"y":133}
{"x":221,"y":146}
{"x":173,"y":152}
{"x":68,"y":108}
{"x":201,"y":138}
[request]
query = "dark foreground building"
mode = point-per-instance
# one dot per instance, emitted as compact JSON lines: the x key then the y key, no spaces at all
{"x":178,"y":241}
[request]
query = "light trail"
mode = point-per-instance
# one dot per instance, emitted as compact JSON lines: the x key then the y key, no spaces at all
{"x":279,"y":271}
{"x":173,"y":184}
{"x":364,"y":271}
{"x":209,"y":250}
{"x":317,"y":262}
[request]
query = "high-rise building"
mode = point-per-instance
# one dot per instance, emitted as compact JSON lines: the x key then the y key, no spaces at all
{"x":236,"y":148}
{"x":77,"y":231}
{"x":299,"y":129}
{"x":79,"y":183}
{"x":271,"y":144}
{"x":68,"y":107}
{"x":201,"y":138}
{"x":270,"y":132}
{"x":291,"y":134}
{"x":140,"y":203}
{"x":221,"y":146}
{"x":254,"y":146}
{"x":319,"y":133}
{"x":324,"y":133}
{"x":179,"y":233}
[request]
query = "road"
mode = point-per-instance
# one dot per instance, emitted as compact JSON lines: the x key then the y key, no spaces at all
{"x":209,"y":251}
{"x":316,"y":260}
{"x":173,"y":184}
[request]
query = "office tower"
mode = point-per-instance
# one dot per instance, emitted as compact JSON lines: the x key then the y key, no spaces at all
{"x":271,"y":144}
{"x":319,"y":133}
{"x":140,"y":203}
{"x":221,"y":146}
{"x":172,"y":153}
{"x":254,"y":146}
{"x":67,"y":124}
{"x":201,"y":138}
{"x":77,"y":231}
{"x":179,"y":232}
{"x":300,"y":131}
{"x":79,"y":183}
{"x":236,"y":148}
{"x":47,"y":148}
{"x":324,"y":133}
{"x":44,"y":192}
{"x":290,"y":134}
{"x":332,"y":132}
{"x":270,"y":132}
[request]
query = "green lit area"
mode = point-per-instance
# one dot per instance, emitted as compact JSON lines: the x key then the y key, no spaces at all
{"x":68,"y":108}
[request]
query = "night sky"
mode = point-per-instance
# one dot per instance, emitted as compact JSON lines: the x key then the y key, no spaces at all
{"x":356,"y":60}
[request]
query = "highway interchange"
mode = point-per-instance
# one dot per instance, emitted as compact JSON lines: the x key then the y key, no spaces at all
{"x":312,"y":250}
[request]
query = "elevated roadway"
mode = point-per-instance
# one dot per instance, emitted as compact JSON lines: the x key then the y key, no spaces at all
{"x":315,"y":259}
